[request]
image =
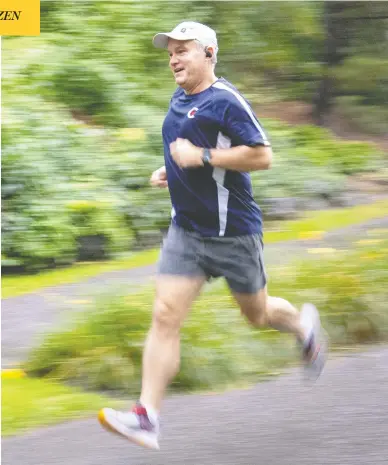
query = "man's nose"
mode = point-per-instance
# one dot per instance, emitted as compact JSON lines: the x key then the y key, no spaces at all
{"x":173,"y":60}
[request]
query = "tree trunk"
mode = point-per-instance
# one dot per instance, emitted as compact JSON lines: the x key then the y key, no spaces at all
{"x":323,"y":97}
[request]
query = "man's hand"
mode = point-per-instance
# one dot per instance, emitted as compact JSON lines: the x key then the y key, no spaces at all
{"x":159,"y":178}
{"x":185,"y":154}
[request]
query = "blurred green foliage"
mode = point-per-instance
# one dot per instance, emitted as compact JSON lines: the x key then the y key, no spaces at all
{"x":102,"y":348}
{"x":70,"y":94}
{"x":309,"y":162}
{"x":371,"y":119}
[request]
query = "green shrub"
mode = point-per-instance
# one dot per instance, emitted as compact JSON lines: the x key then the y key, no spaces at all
{"x":349,"y":287}
{"x":99,"y":228}
{"x":366,"y":77}
{"x":52,"y":164}
{"x":41,"y":238}
{"x":309,"y":162}
{"x":92,"y":90}
{"x":35,"y":227}
{"x":103,"y":349}
{"x":320,"y":147}
{"x":367,"y":119}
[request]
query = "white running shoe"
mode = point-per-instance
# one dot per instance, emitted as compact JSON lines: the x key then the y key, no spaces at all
{"x":314,"y":351}
{"x":134,"y":425}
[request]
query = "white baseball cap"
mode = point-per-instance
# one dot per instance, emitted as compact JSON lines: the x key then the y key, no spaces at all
{"x":188,"y":30}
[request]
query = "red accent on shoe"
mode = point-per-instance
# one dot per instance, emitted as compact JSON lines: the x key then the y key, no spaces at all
{"x":144,"y":421}
{"x":139,"y":410}
{"x":316,"y":352}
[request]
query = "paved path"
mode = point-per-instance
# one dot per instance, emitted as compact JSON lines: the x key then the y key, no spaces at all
{"x":25,"y":319}
{"x":343,"y":419}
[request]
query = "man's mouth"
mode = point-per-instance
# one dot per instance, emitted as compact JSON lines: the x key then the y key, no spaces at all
{"x":178,"y":70}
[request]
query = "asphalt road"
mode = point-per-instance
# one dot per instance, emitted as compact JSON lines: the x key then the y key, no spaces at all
{"x":342,"y":419}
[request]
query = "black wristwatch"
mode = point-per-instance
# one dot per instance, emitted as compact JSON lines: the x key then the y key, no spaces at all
{"x":206,"y":157}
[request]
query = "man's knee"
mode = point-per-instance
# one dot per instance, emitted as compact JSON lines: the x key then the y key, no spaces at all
{"x":165,"y":318}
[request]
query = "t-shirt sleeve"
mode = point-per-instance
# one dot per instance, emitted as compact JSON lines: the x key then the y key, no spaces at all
{"x":238,"y":121}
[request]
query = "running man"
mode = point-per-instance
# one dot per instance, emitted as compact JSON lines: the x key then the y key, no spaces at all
{"x":212,"y":140}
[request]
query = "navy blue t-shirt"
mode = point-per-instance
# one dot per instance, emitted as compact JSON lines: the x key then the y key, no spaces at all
{"x":210,"y":200}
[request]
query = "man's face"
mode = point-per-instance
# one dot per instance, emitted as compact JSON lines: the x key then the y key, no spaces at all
{"x":187,"y":62}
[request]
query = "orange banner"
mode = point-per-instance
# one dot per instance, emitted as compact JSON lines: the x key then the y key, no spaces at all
{"x":19,"y":17}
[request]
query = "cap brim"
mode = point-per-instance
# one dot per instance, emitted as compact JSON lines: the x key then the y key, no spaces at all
{"x":161,"y":39}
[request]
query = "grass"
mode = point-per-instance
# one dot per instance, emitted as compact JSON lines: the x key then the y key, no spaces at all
{"x":27,"y":403}
{"x":312,"y":226}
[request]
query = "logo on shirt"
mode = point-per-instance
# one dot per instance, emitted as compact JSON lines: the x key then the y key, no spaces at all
{"x":192,"y":112}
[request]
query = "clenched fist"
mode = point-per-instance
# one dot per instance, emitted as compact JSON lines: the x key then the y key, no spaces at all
{"x":159,"y":178}
{"x":185,"y":154}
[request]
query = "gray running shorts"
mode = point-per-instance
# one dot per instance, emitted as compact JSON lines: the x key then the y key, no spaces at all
{"x":238,"y":259}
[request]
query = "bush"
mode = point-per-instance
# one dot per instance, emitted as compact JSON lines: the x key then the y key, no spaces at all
{"x":65,"y":183}
{"x":91,"y":90}
{"x":44,"y":237}
{"x":320,"y":147}
{"x":349,"y":287}
{"x":309,"y":163}
{"x":365,"y":77}
{"x":103,"y":349}
{"x":367,"y":119}
{"x":99,"y":229}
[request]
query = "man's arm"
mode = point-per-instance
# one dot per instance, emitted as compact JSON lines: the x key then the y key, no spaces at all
{"x":240,"y":158}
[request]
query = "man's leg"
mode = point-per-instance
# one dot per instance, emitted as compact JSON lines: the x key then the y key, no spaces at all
{"x":262,"y":310}
{"x":179,"y":281}
{"x":161,"y":357}
{"x":242,"y":265}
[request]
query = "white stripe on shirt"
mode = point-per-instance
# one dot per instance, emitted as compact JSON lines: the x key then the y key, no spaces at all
{"x":220,"y":85}
{"x":223,"y":142}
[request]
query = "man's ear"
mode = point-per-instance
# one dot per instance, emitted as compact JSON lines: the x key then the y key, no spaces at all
{"x":209,"y":51}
